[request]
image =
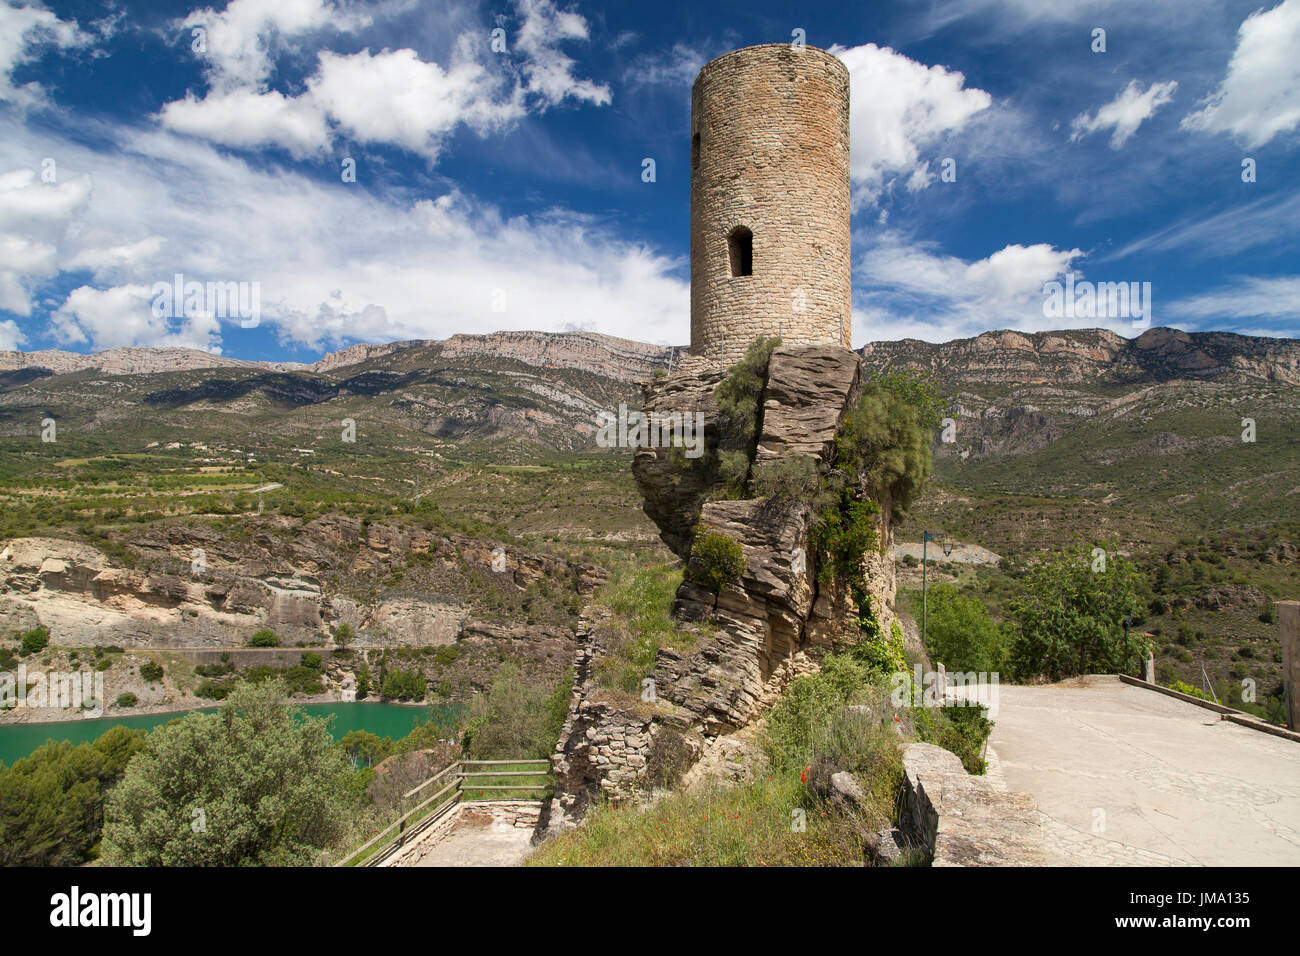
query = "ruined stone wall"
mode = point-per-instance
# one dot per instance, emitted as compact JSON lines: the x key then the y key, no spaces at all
{"x":770,"y":153}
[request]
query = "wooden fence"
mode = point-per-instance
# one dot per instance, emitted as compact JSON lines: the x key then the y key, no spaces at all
{"x":466,"y":781}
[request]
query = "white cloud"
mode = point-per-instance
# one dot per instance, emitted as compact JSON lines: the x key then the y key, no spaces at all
{"x":122,"y":316}
{"x":391,"y":97}
{"x":676,"y":67}
{"x":1245,"y":297}
{"x":907,"y":290}
{"x":241,"y":42}
{"x":547,"y":69}
{"x":24,"y":30}
{"x":334,"y":262}
{"x":897,"y":107}
{"x":1259,"y":97}
{"x":1125,"y":113}
{"x":34,"y":219}
{"x":394,"y":97}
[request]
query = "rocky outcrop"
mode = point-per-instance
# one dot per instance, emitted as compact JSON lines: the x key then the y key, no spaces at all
{"x":760,"y":630}
{"x":193,"y":587}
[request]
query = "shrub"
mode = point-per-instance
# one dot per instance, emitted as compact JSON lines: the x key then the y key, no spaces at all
{"x":227,"y":763}
{"x":960,"y":633}
{"x":127,"y":699}
{"x":264,"y":638}
{"x":312,"y":660}
{"x":151,"y":671}
{"x":34,"y":641}
{"x":787,"y":479}
{"x":716,"y":560}
{"x":402,"y":684}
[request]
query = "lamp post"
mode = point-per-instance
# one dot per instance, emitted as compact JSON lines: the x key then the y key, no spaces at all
{"x":946,"y":543}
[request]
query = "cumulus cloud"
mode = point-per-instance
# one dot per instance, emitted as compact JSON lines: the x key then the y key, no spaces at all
{"x":897,"y":107}
{"x":1259,"y":97}
{"x":124,"y":315}
{"x":909,"y":290}
{"x":24,"y":32}
{"x":375,"y":268}
{"x":391,"y":97}
{"x":1125,"y":113}
{"x":34,"y":219}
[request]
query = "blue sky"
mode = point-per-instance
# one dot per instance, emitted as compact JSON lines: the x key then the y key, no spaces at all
{"x":499,"y":185}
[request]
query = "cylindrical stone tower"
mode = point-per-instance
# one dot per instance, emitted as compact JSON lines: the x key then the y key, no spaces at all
{"x":770,"y":200}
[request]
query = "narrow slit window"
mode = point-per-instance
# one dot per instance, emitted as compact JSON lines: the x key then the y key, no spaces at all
{"x":695,"y":151}
{"x":740,"y":249}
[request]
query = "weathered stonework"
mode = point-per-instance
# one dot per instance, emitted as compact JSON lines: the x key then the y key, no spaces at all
{"x":770,"y":154}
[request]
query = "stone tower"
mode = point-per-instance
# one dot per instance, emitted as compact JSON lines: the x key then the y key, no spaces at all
{"x":769,"y":200}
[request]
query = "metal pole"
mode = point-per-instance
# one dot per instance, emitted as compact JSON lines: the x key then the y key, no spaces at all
{"x":925,"y":542}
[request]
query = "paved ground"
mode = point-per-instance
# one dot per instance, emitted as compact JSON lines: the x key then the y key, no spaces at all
{"x":477,"y":840}
{"x":1128,"y":776}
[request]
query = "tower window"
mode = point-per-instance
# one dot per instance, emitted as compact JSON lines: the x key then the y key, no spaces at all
{"x":740,"y":250}
{"x":695,"y":151}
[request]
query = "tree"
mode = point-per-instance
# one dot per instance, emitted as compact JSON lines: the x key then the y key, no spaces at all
{"x":515,"y":720}
{"x":252,"y":784}
{"x":960,"y":633}
{"x":34,"y":641}
{"x":1070,"y":617}
{"x":52,"y":802}
{"x":344,"y":635}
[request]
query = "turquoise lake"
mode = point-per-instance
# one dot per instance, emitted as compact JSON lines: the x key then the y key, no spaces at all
{"x":383,"y":720}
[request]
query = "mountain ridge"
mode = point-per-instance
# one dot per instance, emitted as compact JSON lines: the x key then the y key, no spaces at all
{"x":1001,"y":355}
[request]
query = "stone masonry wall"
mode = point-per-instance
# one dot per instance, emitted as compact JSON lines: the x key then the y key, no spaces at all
{"x":772,"y":156}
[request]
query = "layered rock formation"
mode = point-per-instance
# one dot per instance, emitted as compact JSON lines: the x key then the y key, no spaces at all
{"x":763,"y":628}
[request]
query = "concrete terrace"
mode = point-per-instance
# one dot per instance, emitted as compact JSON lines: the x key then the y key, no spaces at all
{"x":1123,"y":775}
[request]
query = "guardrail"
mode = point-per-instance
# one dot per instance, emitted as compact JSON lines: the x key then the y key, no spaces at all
{"x":430,"y":802}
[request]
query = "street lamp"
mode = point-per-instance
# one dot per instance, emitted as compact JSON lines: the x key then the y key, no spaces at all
{"x":946,"y":543}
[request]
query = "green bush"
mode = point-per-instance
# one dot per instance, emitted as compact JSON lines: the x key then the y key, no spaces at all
{"x":127,"y":699}
{"x":312,"y":660}
{"x":34,"y":641}
{"x":270,"y":783}
{"x":1069,"y":617}
{"x":264,"y":638}
{"x":716,"y":560}
{"x":959,"y":632}
{"x":151,"y":671}
{"x":787,"y":479}
{"x":402,"y":684}
{"x":958,"y":728}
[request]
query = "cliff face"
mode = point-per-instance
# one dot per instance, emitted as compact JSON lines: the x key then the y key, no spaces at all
{"x":765,"y":627}
{"x":1092,"y":355}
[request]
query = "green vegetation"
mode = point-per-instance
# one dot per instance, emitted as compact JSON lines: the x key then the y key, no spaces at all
{"x":264,"y":638}
{"x":640,"y":602}
{"x":515,"y":720}
{"x":34,"y":641}
{"x":52,"y":803}
{"x":961,"y":634}
{"x":151,"y":671}
{"x":716,"y":560}
{"x":400,"y":684}
{"x":1070,"y":617}
{"x":740,"y":416}
{"x":197,"y":793}
{"x":127,"y":699}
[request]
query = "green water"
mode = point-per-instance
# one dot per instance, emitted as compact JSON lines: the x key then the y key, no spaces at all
{"x":383,"y":720}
